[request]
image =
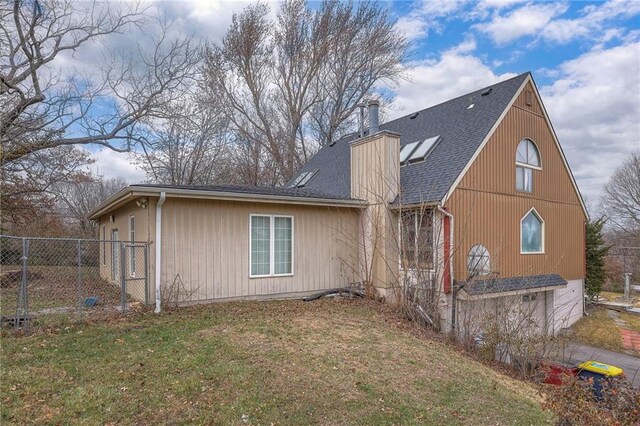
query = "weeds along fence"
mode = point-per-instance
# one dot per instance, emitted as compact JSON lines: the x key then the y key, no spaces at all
{"x":42,"y":278}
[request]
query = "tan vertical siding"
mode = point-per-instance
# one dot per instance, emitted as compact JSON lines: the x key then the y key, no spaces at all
{"x":375,"y":168}
{"x":143,"y":223}
{"x":206,"y":243}
{"x":488,"y":209}
{"x":375,"y":177}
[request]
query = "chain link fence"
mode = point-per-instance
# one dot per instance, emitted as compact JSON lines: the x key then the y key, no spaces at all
{"x":41,"y":278}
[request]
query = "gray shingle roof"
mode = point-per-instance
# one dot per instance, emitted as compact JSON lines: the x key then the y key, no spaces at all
{"x":502,"y":285}
{"x":257,"y":190}
{"x":462,"y":130}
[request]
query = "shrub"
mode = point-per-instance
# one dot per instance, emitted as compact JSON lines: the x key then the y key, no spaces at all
{"x":575,"y":403}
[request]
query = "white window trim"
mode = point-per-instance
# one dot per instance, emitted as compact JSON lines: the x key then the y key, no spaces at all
{"x":132,"y":261}
{"x":542,"y":230}
{"x":528,"y":166}
{"x":272,"y":246}
{"x":531,"y":166}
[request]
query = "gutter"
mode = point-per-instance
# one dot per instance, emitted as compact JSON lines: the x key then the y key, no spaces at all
{"x":132,"y":191}
{"x":158,"y":241}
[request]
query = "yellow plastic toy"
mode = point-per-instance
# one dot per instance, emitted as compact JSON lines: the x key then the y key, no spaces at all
{"x":601,"y":368}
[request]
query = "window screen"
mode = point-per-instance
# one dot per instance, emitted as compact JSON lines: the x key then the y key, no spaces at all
{"x":283,"y":244}
{"x":260,"y":245}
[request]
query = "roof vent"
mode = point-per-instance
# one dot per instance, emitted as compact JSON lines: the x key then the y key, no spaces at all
{"x":470,"y":106}
{"x":487,"y":92}
{"x":414,"y":115}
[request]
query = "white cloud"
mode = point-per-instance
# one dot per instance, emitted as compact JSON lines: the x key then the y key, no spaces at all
{"x":427,"y":16}
{"x":498,"y":4}
{"x":543,"y":22}
{"x":526,"y":20}
{"x":591,"y":23}
{"x":434,"y":81}
{"x":594,"y":105}
{"x":111,"y":164}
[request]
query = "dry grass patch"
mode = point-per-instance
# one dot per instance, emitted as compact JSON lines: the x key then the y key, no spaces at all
{"x":325,"y":362}
{"x":599,"y":329}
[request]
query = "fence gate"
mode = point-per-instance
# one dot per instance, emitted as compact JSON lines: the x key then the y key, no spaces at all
{"x":44,"y":278}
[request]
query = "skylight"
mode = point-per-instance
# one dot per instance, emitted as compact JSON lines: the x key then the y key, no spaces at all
{"x":419,"y":151}
{"x":407,"y":150}
{"x":298,"y":179}
{"x":303,"y":179}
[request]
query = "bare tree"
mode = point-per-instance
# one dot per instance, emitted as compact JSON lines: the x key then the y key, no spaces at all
{"x":41,"y":108}
{"x":27,"y":187}
{"x":189,"y":147}
{"x":292,"y":84}
{"x":76,"y":199}
{"x":621,"y":199}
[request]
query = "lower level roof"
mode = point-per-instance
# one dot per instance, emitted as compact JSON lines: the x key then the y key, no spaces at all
{"x":499,"y":286}
{"x":263,"y":194}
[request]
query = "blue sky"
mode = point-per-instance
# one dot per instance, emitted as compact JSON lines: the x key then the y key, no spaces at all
{"x":584,"y":56}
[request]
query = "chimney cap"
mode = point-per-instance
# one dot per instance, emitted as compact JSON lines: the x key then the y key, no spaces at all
{"x":373,"y":102}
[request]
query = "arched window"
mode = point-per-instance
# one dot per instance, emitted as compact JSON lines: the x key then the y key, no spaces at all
{"x":532,"y":233}
{"x":478,"y":261}
{"x":527,"y":159}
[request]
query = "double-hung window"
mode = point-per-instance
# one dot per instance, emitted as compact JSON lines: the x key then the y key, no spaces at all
{"x":270,"y":245}
{"x":417,"y":239}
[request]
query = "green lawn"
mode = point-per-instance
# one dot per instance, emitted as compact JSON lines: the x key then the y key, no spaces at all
{"x":325,"y":362}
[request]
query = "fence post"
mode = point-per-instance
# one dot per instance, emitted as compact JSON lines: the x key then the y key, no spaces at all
{"x":22,"y":309}
{"x":123,"y":275}
{"x":146,"y":275}
{"x":79,"y":275}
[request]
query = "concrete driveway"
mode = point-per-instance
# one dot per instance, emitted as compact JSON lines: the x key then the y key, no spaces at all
{"x":576,"y":353}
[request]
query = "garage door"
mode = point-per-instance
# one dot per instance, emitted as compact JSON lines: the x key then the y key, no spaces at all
{"x":568,"y":304}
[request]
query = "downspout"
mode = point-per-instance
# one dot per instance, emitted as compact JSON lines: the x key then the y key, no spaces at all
{"x":584,"y":267}
{"x":448,"y":270}
{"x":163,"y":196}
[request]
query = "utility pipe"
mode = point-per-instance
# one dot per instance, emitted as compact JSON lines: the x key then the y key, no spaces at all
{"x":163,"y":196}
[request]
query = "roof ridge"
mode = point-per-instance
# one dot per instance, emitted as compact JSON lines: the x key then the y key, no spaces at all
{"x":458,"y":97}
